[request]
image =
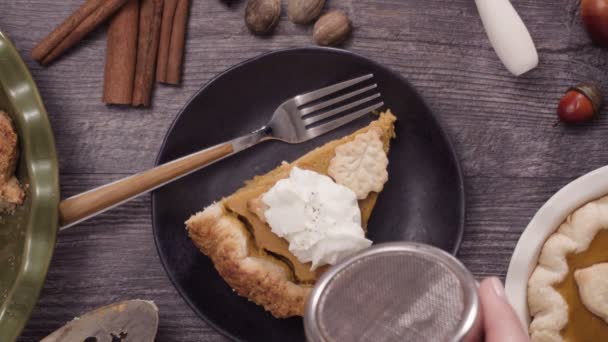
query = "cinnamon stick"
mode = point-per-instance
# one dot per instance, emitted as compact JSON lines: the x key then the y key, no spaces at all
{"x":172,"y":38}
{"x":121,"y":55}
{"x":150,"y":18}
{"x":75,"y":28}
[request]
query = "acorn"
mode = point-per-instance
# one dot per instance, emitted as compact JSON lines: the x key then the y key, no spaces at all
{"x":595,"y":18}
{"x":580,"y":103}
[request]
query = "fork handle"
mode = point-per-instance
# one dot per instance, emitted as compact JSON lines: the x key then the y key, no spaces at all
{"x":88,"y":204}
{"x":80,"y":207}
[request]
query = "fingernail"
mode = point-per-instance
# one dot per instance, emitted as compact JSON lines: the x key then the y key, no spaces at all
{"x":497,"y":286}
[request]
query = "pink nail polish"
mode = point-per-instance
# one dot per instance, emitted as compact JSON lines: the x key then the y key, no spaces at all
{"x":497,"y":286}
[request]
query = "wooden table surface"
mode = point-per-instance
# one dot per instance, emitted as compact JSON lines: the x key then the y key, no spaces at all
{"x":514,"y":159}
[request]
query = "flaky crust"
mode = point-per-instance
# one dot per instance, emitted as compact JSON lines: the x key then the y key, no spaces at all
{"x":548,"y":308}
{"x":224,"y":239}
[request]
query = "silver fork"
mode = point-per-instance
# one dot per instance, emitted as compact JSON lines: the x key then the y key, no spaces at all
{"x":296,"y":120}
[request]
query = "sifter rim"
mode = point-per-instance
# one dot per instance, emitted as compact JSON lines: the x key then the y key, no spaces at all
{"x":469,"y":285}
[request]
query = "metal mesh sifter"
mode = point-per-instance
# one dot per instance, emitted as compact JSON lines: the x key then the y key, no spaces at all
{"x":395,"y":292}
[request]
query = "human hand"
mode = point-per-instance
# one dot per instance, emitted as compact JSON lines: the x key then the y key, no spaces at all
{"x":500,"y":322}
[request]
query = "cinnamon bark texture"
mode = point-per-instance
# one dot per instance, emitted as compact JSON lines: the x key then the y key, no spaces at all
{"x":171,"y":48}
{"x":75,"y":28}
{"x":121,"y":55}
{"x":150,"y":18}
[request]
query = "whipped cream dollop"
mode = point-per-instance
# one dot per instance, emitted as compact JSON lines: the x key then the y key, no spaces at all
{"x":320,"y":219}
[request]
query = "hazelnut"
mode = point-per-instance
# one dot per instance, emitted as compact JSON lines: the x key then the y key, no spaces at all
{"x":261,"y":16}
{"x":332,"y":28}
{"x":580,"y":103}
{"x":304,"y":11}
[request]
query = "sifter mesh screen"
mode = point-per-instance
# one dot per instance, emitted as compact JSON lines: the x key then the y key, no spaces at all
{"x":391,"y":297}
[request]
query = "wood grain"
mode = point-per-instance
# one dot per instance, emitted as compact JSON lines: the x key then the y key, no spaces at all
{"x":513,"y":158}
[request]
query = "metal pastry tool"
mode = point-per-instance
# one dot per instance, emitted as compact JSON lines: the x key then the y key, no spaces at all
{"x":508,"y":35}
{"x":133,"y":320}
{"x":395,"y":292}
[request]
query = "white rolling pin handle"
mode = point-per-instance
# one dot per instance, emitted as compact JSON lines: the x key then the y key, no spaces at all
{"x":508,"y":35}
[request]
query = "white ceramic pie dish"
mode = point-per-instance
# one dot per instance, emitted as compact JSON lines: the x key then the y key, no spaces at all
{"x":548,"y":218}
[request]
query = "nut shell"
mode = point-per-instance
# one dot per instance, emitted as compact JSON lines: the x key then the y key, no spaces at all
{"x":332,"y":28}
{"x":261,"y":16}
{"x":304,"y":11}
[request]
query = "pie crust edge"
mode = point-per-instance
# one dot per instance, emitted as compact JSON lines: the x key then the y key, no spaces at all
{"x":548,"y":309}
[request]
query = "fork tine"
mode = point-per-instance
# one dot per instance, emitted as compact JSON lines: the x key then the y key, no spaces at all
{"x":335,"y":100}
{"x":338,"y":110}
{"x":326,"y":127}
{"x":317,"y":94}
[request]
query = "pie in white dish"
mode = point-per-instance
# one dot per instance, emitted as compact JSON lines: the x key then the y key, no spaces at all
{"x":570,"y":277}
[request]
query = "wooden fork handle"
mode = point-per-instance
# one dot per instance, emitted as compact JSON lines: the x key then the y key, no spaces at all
{"x":83,"y":206}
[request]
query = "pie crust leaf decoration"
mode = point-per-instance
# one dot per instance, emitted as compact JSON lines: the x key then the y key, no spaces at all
{"x":360,"y":165}
{"x":547,"y":307}
{"x":255,"y":262}
{"x":592,"y":285}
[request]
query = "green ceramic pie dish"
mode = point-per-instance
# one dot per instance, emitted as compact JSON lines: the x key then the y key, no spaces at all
{"x":27,"y":238}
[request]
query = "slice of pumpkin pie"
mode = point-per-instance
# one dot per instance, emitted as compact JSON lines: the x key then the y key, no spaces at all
{"x":272,"y":239}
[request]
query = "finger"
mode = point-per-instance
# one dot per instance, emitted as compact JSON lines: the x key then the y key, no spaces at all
{"x":500,"y":322}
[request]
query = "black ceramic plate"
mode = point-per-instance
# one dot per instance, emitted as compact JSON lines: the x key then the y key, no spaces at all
{"x":423,"y":200}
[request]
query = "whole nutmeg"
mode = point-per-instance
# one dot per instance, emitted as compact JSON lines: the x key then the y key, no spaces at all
{"x":261,"y":16}
{"x":332,"y":28}
{"x":595,"y":17}
{"x":580,"y":103}
{"x":304,"y":11}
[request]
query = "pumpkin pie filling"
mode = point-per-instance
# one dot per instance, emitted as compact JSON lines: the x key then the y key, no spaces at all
{"x":583,"y":325}
{"x":269,"y":244}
